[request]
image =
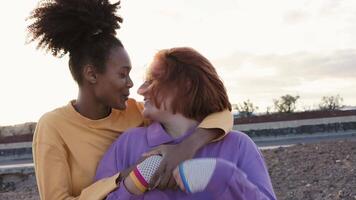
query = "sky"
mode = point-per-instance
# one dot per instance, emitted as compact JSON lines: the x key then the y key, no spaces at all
{"x":261,"y":49}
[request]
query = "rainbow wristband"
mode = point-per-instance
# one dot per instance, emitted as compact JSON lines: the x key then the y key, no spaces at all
{"x":138,"y":180}
{"x":184,"y":179}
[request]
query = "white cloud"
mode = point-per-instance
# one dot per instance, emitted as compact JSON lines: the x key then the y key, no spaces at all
{"x":262,"y":49}
{"x":262,"y":78}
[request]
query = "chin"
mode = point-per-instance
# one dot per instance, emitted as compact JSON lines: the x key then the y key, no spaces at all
{"x":145,"y":114}
{"x":121,"y":106}
{"x":150,"y":115}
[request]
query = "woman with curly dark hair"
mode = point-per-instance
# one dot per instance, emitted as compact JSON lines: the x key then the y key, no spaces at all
{"x":70,"y":141}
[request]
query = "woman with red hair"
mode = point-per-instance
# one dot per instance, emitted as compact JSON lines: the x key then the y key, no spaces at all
{"x":182,"y":88}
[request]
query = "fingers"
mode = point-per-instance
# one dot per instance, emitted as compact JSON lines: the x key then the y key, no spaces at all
{"x":140,"y":160}
{"x":156,"y":151}
{"x":166,"y":178}
{"x":178,"y":179}
{"x":163,"y":184}
{"x":172,"y":184}
{"x":156,"y":176}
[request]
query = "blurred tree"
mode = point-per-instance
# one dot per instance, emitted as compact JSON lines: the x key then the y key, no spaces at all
{"x":268,"y":110}
{"x":246,"y":109}
{"x":286,"y":103}
{"x":331,"y":103}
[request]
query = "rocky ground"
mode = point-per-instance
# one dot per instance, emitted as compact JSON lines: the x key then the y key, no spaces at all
{"x":321,"y":171}
{"x":325,"y":170}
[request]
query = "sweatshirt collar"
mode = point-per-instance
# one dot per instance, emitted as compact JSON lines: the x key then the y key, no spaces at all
{"x":156,"y":135}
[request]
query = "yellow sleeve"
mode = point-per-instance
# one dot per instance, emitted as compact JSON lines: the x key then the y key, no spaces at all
{"x":53,"y":172}
{"x":221,"y":120}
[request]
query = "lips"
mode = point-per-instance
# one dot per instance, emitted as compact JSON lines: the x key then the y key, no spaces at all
{"x":146,"y":101}
{"x":125,"y":96}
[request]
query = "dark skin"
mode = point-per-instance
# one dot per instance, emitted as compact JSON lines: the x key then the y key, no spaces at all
{"x":100,"y":92}
{"x":175,"y":154}
{"x":163,"y":178}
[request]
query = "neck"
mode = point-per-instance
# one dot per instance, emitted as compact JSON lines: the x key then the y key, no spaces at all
{"x":177,"y":125}
{"x":87,"y":105}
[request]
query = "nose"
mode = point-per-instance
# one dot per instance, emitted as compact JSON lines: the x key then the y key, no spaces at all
{"x":142,"y":90}
{"x":129,"y":82}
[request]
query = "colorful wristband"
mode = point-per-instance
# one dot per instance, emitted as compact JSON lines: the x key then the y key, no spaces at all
{"x":138,"y":180}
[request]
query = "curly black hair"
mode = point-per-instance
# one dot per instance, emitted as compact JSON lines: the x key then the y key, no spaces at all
{"x":84,"y":28}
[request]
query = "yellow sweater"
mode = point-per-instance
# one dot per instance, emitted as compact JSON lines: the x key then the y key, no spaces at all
{"x":67,"y":148}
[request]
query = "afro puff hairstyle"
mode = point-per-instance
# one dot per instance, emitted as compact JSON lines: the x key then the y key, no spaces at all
{"x":84,"y":28}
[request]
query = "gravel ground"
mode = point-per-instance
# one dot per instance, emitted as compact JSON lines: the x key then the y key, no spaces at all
{"x":321,"y":171}
{"x":325,"y":170}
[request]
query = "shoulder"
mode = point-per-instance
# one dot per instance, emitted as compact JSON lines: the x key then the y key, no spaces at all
{"x":136,"y":132}
{"x":133,"y":135}
{"x":55,"y":114}
{"x":52,"y":119}
{"x":47,"y":128}
{"x":237,"y":135}
{"x":241,"y":139}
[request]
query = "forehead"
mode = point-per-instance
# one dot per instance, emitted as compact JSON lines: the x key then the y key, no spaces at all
{"x":118,"y":58}
{"x":155,"y":69}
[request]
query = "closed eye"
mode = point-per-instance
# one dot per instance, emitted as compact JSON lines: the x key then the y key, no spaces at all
{"x":123,"y":75}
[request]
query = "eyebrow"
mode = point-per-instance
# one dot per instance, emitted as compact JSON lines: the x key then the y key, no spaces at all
{"x":127,"y":67}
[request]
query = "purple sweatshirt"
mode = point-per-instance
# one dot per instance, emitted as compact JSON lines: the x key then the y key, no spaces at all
{"x":240,"y":172}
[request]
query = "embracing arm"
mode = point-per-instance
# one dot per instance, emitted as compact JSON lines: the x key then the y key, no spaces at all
{"x":220,"y":123}
{"x":248,"y":178}
{"x":245,"y":178}
{"x":212,"y":128}
{"x":230,"y":182}
{"x":53,"y":171}
{"x":114,"y":161}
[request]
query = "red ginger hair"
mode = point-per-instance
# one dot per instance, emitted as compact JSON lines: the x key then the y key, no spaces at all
{"x":192,"y":80}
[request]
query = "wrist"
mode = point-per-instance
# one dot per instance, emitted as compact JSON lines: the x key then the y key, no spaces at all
{"x":118,"y":179}
{"x":131,"y":187}
{"x":192,"y":144}
{"x":200,"y":138}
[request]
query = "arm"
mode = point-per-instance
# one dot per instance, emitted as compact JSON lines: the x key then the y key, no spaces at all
{"x":212,"y":128}
{"x":245,"y":176}
{"x":249,"y":178}
{"x":53,"y":172}
{"x":230,"y":182}
{"x":114,"y":160}
{"x":221,"y":123}
{"x":223,"y":180}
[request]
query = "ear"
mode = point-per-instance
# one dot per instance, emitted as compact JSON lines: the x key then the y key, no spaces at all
{"x":89,"y":74}
{"x":188,"y":84}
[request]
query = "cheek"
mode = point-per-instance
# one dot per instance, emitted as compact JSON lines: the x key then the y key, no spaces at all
{"x":101,"y":89}
{"x":118,"y":84}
